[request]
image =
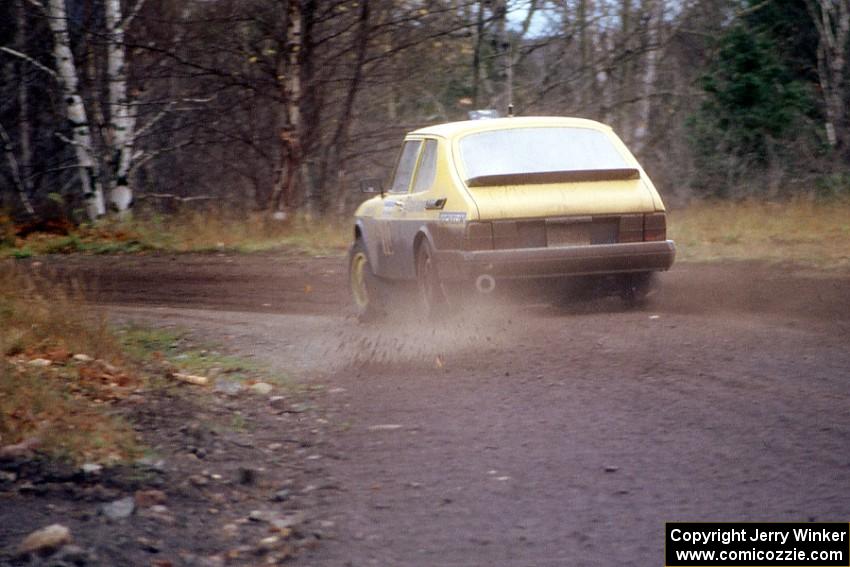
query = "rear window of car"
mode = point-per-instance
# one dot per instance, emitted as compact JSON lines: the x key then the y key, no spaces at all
{"x":537,"y":150}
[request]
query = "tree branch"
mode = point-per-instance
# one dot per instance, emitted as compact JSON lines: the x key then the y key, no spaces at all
{"x":152,"y":122}
{"x":175,"y":197}
{"x":38,"y":5}
{"x":149,"y":156}
{"x":69,"y":141}
{"x":134,"y":11}
{"x":29,"y":60}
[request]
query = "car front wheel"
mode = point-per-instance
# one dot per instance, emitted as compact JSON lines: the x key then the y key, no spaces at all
{"x":366,"y":290}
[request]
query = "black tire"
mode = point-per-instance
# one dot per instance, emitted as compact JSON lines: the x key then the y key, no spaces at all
{"x":367,"y":292}
{"x":432,"y":299}
{"x":638,"y":289}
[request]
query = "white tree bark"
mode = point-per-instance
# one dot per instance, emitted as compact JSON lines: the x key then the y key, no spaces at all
{"x":122,"y":123}
{"x":57,"y":18}
{"x":586,"y":73}
{"x":503,"y":56}
{"x":294,"y":49}
{"x":832,"y":20}
{"x":289,"y":117}
{"x":655,"y":12}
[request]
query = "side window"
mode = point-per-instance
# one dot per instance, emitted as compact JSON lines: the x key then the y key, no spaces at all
{"x":405,"y":167}
{"x":427,"y":169}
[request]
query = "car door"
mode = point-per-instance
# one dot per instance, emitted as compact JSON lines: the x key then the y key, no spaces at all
{"x":390,"y":231}
{"x":422,"y":205}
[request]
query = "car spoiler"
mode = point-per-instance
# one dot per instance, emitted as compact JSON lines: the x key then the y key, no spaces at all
{"x":543,"y":177}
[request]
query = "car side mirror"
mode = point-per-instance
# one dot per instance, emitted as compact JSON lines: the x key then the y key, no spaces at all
{"x":372,"y":186}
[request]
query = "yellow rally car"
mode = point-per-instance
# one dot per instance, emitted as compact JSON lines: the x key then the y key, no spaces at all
{"x":479,"y":202}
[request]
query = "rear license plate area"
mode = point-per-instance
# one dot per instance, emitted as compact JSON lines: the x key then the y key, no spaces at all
{"x":560,"y":233}
{"x":605,"y":231}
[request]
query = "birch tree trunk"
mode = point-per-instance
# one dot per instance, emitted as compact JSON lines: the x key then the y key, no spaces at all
{"x":585,"y":72}
{"x":122,"y":121}
{"x":476,"y":54}
{"x":626,"y":71}
{"x":832,"y":20}
{"x":309,"y":102}
{"x":655,"y":21}
{"x":289,"y":117}
{"x":503,"y":56}
{"x":81,"y":138}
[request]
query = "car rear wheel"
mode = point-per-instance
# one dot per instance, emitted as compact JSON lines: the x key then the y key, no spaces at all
{"x":366,"y":289}
{"x":431,"y":296}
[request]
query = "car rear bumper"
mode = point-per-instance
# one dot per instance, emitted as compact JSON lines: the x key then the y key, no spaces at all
{"x":555,"y":262}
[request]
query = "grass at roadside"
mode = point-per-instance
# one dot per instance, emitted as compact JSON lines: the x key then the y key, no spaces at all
{"x":185,"y":232}
{"x":63,"y":371}
{"x":804,"y":232}
{"x":176,"y":351}
{"x":199,"y":232}
{"x":800,"y":232}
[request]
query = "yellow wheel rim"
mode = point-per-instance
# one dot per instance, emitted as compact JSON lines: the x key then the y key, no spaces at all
{"x":358,"y":280}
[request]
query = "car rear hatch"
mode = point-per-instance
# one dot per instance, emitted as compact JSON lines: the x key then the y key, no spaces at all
{"x":554,"y":184}
{"x":597,"y":192}
{"x":572,"y":208}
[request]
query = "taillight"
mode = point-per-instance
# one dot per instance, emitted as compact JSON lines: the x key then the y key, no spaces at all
{"x":479,"y":236}
{"x":655,"y":227}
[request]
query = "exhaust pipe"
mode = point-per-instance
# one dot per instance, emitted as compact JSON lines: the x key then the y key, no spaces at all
{"x":485,"y":284}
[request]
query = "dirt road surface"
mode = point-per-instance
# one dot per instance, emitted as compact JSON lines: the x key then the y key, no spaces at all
{"x":529,"y":434}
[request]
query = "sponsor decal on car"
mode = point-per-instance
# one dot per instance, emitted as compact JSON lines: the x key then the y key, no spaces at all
{"x":453,"y":218}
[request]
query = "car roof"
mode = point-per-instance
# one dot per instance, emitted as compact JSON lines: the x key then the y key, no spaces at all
{"x":456,"y":129}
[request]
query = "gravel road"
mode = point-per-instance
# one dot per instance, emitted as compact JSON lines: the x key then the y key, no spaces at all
{"x":527,"y":434}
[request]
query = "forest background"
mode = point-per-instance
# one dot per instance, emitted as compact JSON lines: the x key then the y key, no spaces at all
{"x":281,"y":106}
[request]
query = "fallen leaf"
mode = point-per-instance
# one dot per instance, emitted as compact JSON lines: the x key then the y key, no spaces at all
{"x":59,"y":354}
{"x":192,"y":379}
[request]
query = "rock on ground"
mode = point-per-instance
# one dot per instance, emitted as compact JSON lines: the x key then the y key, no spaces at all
{"x":46,"y":539}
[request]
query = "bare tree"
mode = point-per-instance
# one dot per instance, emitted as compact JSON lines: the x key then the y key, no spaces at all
{"x":122,"y":123}
{"x":8,"y":150}
{"x":24,"y":123}
{"x":118,"y":143}
{"x":832,"y":19}
{"x":654,"y":18}
{"x":274,"y":105}
{"x":289,"y":118}
{"x":69,"y":81}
